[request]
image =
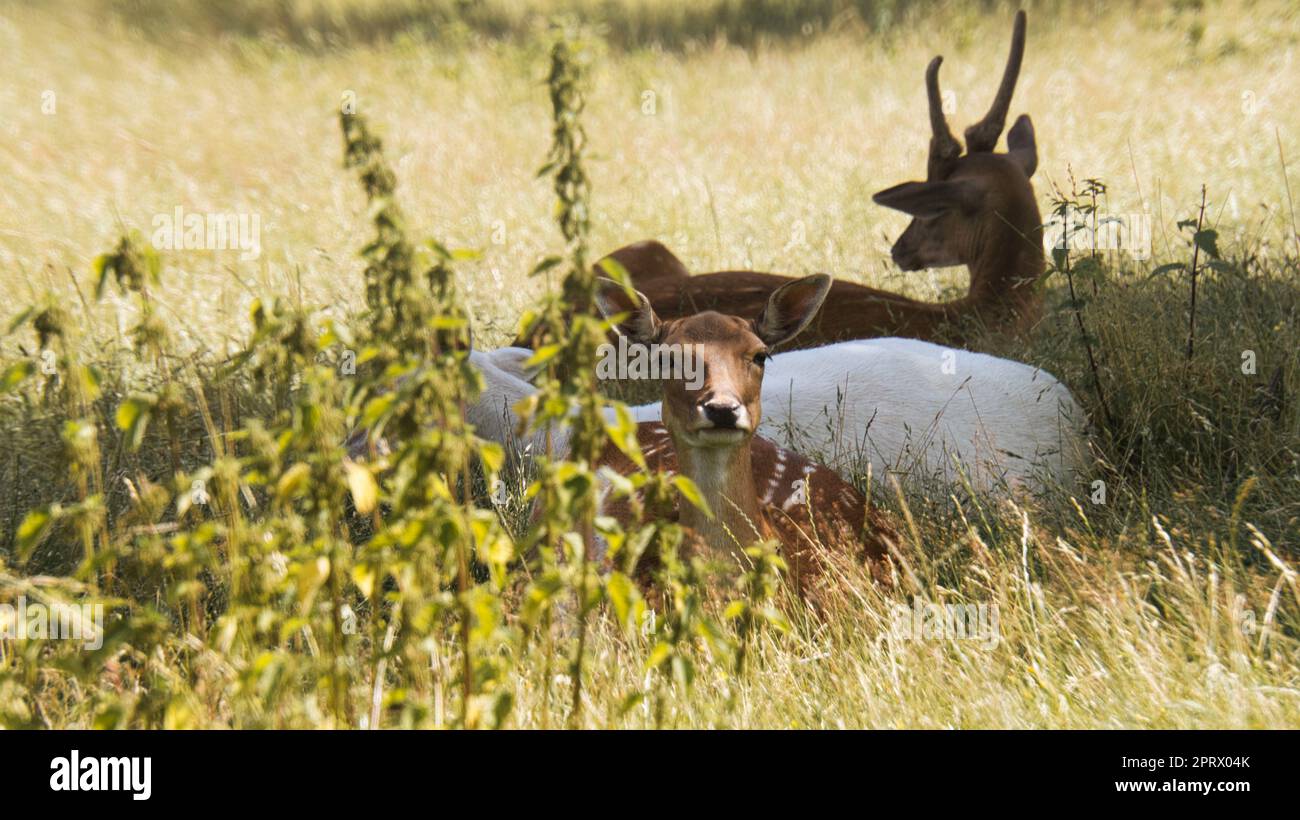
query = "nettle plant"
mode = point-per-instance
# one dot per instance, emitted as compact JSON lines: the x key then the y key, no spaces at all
{"x":562,"y":541}
{"x":1078,"y":213}
{"x":285,"y":583}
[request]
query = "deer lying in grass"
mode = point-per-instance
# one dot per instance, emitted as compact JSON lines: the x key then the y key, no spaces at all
{"x":808,"y":508}
{"x":976,"y":210}
{"x":755,"y":490}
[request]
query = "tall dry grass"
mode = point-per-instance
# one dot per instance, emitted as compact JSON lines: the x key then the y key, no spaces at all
{"x":1173,"y":602}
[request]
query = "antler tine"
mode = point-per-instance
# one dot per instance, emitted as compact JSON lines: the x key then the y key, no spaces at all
{"x":944,"y":147}
{"x":983,"y":135}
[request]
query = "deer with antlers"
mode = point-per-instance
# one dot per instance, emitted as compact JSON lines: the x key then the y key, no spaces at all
{"x":754,"y":489}
{"x":976,"y":210}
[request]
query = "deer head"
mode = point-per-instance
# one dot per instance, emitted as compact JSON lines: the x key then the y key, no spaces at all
{"x":712,"y":420}
{"x":724,"y":407}
{"x":978,"y":209}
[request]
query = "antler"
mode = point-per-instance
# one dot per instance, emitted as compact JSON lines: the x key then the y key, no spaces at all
{"x":944,"y":147}
{"x":983,"y":135}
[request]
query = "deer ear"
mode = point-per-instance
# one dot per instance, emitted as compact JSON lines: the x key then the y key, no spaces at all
{"x":791,"y":307}
{"x":931,"y":199}
{"x":641,"y":324}
{"x":1021,"y":145}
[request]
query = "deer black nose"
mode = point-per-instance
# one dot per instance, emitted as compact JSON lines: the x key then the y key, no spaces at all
{"x":722,"y":413}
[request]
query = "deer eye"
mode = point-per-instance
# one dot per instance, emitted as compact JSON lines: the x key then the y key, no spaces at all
{"x":761,"y":357}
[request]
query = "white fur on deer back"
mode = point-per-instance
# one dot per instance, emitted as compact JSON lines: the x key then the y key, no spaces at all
{"x":505,"y":384}
{"x":902,"y":405}
{"x":909,"y":406}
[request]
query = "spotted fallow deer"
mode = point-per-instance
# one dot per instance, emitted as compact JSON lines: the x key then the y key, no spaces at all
{"x":976,"y":210}
{"x":755,"y":489}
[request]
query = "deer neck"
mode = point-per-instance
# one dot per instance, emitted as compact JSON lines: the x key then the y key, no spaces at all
{"x":1004,"y":270}
{"x":725,"y":477}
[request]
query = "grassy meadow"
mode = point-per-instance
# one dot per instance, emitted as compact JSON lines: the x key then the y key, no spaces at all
{"x":1162,"y":592}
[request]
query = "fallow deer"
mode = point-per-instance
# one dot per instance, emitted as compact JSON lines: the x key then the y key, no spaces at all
{"x":976,"y":210}
{"x":754,"y":489}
